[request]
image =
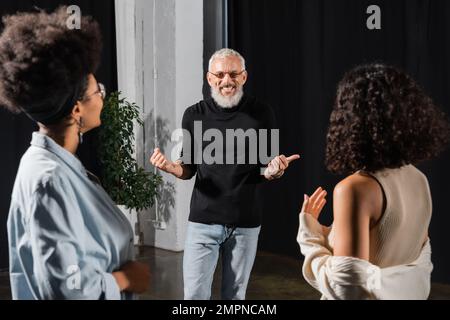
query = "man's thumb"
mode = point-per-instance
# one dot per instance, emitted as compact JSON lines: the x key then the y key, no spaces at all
{"x":293,"y":157}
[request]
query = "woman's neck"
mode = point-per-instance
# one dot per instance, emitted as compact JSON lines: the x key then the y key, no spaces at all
{"x":66,"y":138}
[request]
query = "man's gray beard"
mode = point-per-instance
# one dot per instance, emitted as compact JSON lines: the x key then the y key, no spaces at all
{"x":227,"y":102}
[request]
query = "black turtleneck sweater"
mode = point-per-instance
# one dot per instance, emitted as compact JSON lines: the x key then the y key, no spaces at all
{"x":224,"y":191}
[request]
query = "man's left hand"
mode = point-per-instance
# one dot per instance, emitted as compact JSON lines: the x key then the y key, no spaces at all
{"x":278,"y":165}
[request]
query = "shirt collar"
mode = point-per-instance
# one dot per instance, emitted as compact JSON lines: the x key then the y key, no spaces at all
{"x":45,"y":142}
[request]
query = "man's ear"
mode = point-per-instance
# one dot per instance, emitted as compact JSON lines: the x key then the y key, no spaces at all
{"x":209,"y":77}
{"x":244,"y":77}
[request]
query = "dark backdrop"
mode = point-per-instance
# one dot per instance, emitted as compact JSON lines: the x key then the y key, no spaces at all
{"x":296,"y":51}
{"x":15,"y":131}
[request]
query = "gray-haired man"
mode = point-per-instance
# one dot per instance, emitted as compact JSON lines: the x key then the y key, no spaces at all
{"x":223,"y":219}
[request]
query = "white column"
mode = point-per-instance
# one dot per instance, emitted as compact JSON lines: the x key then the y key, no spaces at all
{"x":127,"y":72}
{"x":189,"y":84}
{"x":160,"y":67}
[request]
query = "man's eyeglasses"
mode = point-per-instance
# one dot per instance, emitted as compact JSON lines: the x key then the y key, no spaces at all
{"x":232,"y":74}
{"x":101,"y":90}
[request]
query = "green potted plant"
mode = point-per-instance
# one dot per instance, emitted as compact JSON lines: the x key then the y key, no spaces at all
{"x":129,"y":185}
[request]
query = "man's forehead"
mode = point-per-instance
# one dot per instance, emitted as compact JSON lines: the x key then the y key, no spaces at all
{"x":227,"y":63}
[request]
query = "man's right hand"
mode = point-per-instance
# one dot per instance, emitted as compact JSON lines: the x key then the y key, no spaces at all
{"x":160,"y":161}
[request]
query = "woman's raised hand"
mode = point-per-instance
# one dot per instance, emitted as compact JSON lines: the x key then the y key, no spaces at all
{"x":315,"y":203}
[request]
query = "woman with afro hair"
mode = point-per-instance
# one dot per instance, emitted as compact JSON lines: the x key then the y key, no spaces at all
{"x":67,"y":238}
{"x":381,"y":127}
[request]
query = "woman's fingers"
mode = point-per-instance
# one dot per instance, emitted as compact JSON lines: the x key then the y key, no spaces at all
{"x":321,"y":205}
{"x":315,"y":194}
{"x":314,"y":204}
{"x":305,"y":203}
{"x":319,"y":198}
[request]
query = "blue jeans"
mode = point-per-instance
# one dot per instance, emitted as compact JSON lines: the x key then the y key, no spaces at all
{"x":201,"y":253}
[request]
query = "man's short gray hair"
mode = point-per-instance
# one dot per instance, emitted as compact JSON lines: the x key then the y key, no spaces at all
{"x":226,"y":52}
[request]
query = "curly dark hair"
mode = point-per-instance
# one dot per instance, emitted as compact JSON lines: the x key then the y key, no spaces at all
{"x":43,"y":62}
{"x":382,"y":119}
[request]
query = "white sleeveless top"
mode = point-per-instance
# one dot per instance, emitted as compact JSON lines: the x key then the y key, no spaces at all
{"x":399,"y":235}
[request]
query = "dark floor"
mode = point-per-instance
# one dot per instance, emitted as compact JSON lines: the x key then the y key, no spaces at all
{"x":273,"y":277}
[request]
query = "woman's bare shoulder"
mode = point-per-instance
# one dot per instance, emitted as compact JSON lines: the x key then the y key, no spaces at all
{"x":356,"y":183}
{"x":361,"y":191}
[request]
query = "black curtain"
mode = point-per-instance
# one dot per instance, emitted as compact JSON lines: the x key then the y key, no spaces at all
{"x":15,"y":131}
{"x":296,"y":52}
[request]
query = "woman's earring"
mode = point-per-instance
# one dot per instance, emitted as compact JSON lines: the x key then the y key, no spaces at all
{"x":80,"y":134}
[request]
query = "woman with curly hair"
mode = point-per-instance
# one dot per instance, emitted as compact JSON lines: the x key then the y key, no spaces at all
{"x":67,"y":238}
{"x":381,"y":127}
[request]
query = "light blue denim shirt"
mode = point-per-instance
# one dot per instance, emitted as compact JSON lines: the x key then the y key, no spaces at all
{"x":66,"y":235}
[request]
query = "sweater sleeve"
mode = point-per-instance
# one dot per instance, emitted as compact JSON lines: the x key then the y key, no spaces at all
{"x":334,"y":277}
{"x":352,"y":278}
{"x":189,"y":144}
{"x":56,"y":232}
